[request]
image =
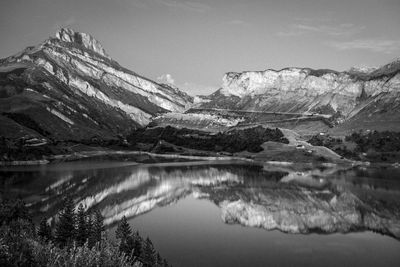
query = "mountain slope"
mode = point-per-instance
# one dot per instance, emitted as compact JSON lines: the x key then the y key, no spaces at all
{"x":346,"y":95}
{"x":68,"y":88}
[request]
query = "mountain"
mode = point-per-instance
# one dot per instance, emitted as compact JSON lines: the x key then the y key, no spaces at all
{"x":359,"y":97}
{"x":69,"y":88}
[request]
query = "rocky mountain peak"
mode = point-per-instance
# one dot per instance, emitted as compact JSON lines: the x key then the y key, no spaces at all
{"x":72,"y":90}
{"x":84,"y":39}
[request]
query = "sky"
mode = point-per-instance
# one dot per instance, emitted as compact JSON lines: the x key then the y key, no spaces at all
{"x":193,"y":43}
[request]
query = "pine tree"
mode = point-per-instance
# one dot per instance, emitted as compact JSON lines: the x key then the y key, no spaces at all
{"x":91,"y":232}
{"x":137,"y":246}
{"x":98,"y":225}
{"x":129,"y":248}
{"x":123,"y":229}
{"x":65,"y":227}
{"x":165,"y":263}
{"x":124,"y":234}
{"x":159,"y":260}
{"x":44,"y":231}
{"x":81,"y":234}
{"x":149,"y":254}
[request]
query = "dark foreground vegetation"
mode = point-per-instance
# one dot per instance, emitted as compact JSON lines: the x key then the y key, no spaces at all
{"x":76,"y":239}
{"x":21,"y":149}
{"x":372,"y":146}
{"x":232,"y":141}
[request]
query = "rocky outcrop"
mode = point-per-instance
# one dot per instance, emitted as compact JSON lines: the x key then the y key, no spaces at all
{"x":308,"y":91}
{"x":72,"y":89}
{"x":84,"y":39}
{"x":197,"y":121}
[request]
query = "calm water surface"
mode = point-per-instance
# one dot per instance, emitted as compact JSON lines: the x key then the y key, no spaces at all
{"x":231,"y":213}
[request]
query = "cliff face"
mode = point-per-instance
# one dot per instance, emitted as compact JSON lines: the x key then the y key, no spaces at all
{"x":304,"y":90}
{"x":70,"y":88}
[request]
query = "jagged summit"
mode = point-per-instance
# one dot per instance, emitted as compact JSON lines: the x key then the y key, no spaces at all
{"x":84,"y":39}
{"x":68,"y":88}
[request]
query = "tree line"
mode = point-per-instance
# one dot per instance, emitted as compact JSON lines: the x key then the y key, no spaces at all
{"x":77,"y":238}
{"x":372,"y":146}
{"x":232,"y":141}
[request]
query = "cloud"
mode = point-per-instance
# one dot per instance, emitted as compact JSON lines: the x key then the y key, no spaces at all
{"x":387,"y":46}
{"x":344,"y":29}
{"x":325,"y":19}
{"x":182,"y":4}
{"x":166,"y":78}
{"x":189,"y":87}
{"x":237,"y":22}
{"x":290,"y":33}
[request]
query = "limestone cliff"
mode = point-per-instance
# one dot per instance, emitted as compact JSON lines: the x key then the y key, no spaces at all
{"x":307,"y":91}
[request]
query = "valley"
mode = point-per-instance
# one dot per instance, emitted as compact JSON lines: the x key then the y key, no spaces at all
{"x":160,"y":133}
{"x":67,"y":96}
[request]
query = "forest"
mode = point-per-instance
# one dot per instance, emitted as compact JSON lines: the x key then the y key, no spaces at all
{"x":77,"y":238}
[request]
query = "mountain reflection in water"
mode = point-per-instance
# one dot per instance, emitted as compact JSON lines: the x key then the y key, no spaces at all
{"x":289,"y":199}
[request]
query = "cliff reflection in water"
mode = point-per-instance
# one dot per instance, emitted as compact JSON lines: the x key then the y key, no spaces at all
{"x":286,"y":199}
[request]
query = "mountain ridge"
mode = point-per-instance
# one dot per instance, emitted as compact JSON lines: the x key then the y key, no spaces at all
{"x":343,"y":95}
{"x":76,"y":85}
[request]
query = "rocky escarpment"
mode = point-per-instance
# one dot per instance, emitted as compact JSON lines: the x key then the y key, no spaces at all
{"x":306,"y":91}
{"x":68,"y":87}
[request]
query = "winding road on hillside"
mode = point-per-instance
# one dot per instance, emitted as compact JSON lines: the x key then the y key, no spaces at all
{"x":305,"y":114}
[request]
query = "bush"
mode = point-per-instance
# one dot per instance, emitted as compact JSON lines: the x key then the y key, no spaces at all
{"x":378,"y":141}
{"x":103,"y":254}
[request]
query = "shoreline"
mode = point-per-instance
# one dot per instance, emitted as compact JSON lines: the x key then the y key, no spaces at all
{"x":102,"y":153}
{"x":76,"y":156}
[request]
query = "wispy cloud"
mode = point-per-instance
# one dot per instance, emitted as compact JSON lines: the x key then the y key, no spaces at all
{"x":326,"y":19}
{"x":387,"y":46}
{"x":182,"y":4}
{"x":237,"y":22}
{"x":344,"y":29}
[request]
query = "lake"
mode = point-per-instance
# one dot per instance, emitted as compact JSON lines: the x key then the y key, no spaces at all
{"x":231,"y":213}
